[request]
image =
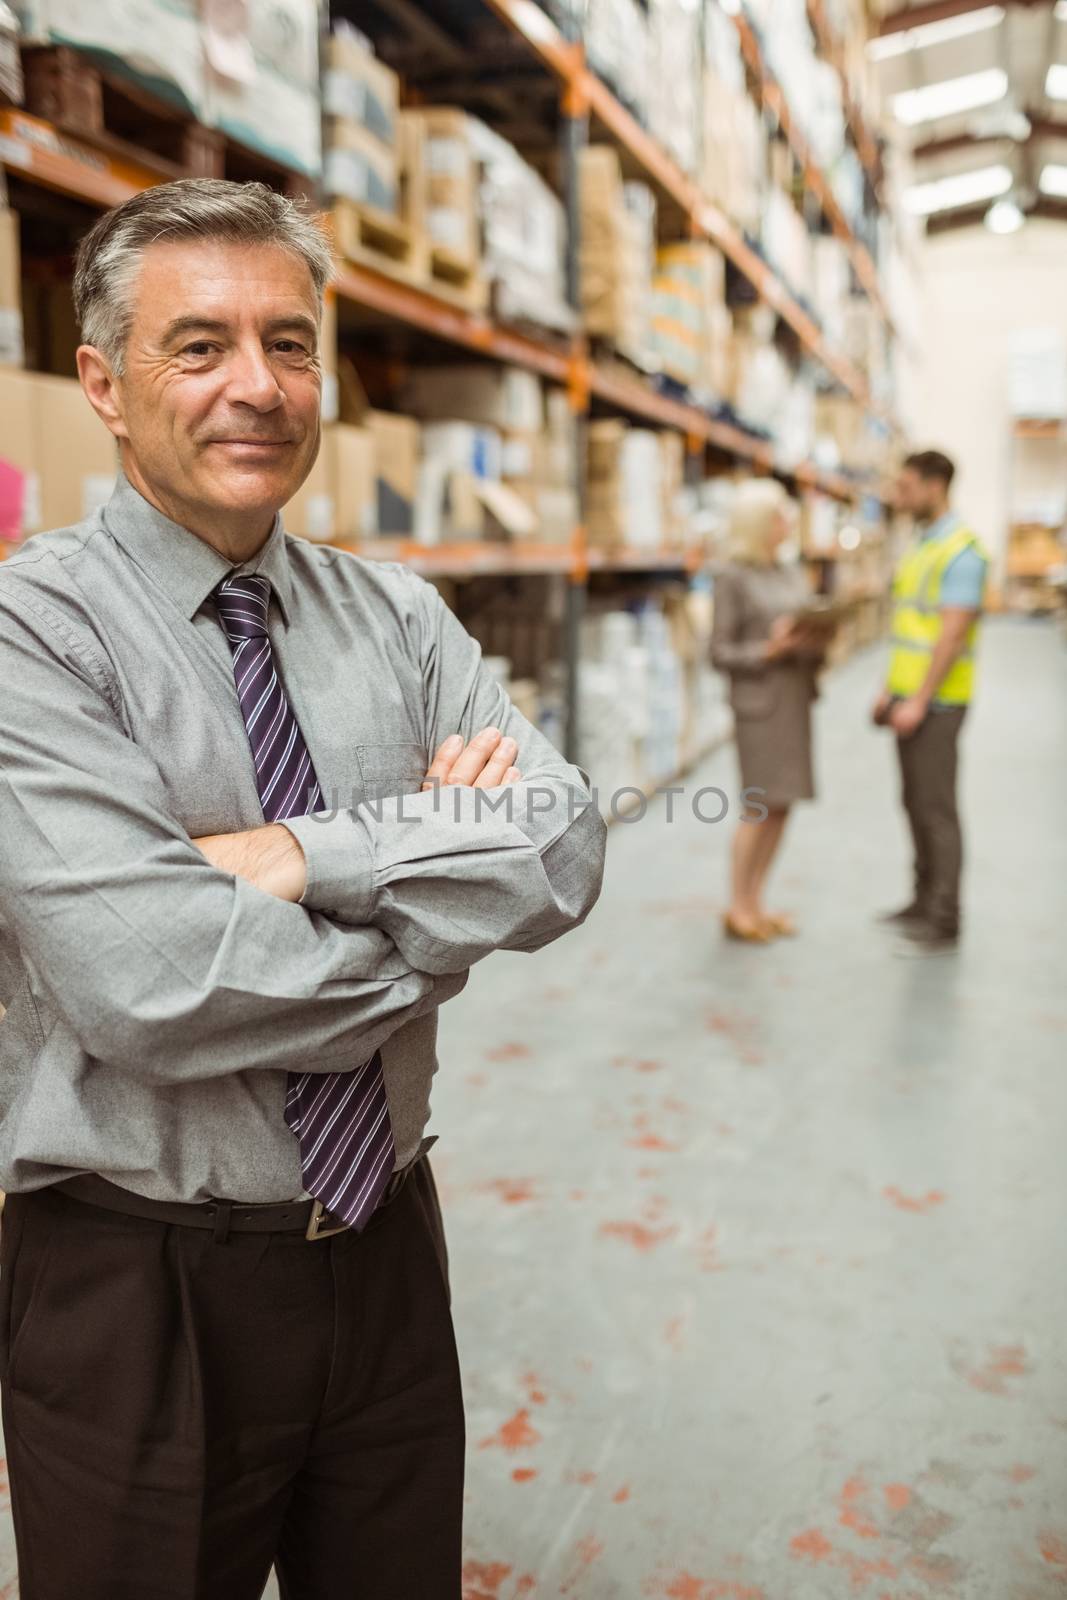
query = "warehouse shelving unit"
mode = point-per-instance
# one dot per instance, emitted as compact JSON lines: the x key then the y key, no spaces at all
{"x":89,"y":172}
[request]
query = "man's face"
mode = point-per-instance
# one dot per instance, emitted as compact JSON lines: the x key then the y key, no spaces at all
{"x":918,"y":496}
{"x":220,"y":397}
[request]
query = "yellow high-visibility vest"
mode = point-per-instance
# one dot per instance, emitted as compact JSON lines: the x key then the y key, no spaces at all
{"x":917,"y":620}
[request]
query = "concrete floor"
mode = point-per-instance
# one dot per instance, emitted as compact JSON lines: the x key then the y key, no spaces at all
{"x":758,"y":1255}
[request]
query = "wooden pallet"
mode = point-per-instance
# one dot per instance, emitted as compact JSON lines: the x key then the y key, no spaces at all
{"x":372,"y":238}
{"x":123,"y":118}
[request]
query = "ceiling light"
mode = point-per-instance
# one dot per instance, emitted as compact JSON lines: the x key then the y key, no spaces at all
{"x":1004,"y":216}
{"x":965,"y":189}
{"x":1053,"y":180}
{"x":1056,"y":82}
{"x":951,"y":96}
{"x":899,"y":43}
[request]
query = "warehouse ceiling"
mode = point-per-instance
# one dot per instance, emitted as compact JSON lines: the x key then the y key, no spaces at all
{"x":978,"y":93}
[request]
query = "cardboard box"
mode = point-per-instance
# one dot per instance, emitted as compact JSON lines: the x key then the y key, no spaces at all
{"x":450,"y":174}
{"x":312,"y":512}
{"x":77,"y":458}
{"x":20,"y":484}
{"x":49,"y":327}
{"x":359,"y":87}
{"x":357,"y":166}
{"x":494,"y":396}
{"x":353,"y":472}
{"x":262,"y":84}
{"x":157,"y":44}
{"x":396,"y":454}
{"x":11,"y":336}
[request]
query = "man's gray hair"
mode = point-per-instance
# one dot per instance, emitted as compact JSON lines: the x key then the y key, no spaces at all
{"x":109,"y":256}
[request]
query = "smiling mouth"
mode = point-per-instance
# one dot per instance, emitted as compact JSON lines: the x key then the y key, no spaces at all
{"x":257,"y":444}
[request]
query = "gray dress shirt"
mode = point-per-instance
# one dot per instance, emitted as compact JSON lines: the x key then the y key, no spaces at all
{"x":155,"y":1003}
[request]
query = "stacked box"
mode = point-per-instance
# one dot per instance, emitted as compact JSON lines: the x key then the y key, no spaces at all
{"x":624,"y":487}
{"x":156,"y":44}
{"x":689,"y":293}
{"x":523,"y":234}
{"x":338,"y":500}
{"x":617,"y":229}
{"x":11,"y":335}
{"x":734,"y":151}
{"x":59,"y":461}
{"x":360,"y":102}
{"x":617,"y":45}
{"x":675,"y":80}
{"x":263,"y":81}
{"x":451,"y":180}
{"x":786,"y":241}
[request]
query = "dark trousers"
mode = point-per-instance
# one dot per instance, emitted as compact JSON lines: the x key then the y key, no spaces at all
{"x":180,"y":1413}
{"x":928,"y":766}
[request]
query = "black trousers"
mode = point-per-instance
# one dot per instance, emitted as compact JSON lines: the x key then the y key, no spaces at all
{"x":929,"y":761}
{"x":180,"y":1414}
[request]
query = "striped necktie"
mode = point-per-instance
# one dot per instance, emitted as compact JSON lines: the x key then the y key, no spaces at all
{"x":340,"y":1118}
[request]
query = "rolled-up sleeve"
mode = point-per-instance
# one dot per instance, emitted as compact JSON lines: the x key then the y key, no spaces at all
{"x":730,"y":652}
{"x":455,"y":873}
{"x":159,"y":962}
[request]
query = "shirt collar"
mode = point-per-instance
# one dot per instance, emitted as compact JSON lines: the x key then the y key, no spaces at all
{"x":945,"y":524}
{"x":185,"y":565}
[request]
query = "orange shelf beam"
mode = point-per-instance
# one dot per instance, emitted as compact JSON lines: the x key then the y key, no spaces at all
{"x":422,"y":309}
{"x":36,"y":150}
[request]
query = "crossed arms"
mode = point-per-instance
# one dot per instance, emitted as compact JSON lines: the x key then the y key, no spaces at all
{"x":175,"y":967}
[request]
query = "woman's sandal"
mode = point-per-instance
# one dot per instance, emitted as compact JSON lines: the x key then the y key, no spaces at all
{"x":759,"y":933}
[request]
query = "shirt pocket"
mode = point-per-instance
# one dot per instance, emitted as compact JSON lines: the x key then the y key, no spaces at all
{"x":391,"y":769}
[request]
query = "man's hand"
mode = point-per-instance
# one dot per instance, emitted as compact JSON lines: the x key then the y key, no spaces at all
{"x":909,"y":715}
{"x":269,"y":857}
{"x":880,"y":709}
{"x":782,"y":640}
{"x":482,"y":764}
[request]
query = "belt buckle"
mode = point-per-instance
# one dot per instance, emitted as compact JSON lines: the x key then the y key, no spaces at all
{"x":315,"y":1231}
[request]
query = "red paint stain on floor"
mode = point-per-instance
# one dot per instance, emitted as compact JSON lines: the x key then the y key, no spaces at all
{"x":524,"y":1474}
{"x":513,"y":1191}
{"x":1004,"y":1361}
{"x":482,"y":1579}
{"x":621,"y":1495}
{"x":642,"y":1238}
{"x":1053,"y":1548}
{"x":685,"y":1586}
{"x":811,"y":1545}
{"x":515,"y":1434}
{"x":852,"y":1514}
{"x":1020,"y":1473}
{"x":645,"y":1137}
{"x":584,"y":1478}
{"x":897,"y":1496}
{"x":920,"y":1204}
{"x":510,"y":1050}
{"x":477,"y":1080}
{"x":526,"y":1585}
{"x":862,"y":1573}
{"x":587,"y":1551}
{"x":535,"y":1389}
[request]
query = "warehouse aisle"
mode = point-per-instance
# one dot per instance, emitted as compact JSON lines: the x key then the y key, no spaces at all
{"x":758,"y":1254}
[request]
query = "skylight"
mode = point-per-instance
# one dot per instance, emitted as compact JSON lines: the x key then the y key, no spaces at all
{"x":898,"y":44}
{"x":964,"y":189}
{"x":952,"y":95}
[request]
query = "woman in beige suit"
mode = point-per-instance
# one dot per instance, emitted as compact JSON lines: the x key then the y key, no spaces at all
{"x":772,"y":661}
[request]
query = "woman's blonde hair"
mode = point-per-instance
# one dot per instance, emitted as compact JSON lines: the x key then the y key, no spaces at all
{"x":757,"y":504}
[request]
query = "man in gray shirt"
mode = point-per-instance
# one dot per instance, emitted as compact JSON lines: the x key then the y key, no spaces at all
{"x":261,"y":809}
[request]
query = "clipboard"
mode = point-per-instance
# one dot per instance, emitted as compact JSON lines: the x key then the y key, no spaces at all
{"x":822,"y":611}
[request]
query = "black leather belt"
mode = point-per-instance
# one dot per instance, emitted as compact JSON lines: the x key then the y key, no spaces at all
{"x":222,"y":1217}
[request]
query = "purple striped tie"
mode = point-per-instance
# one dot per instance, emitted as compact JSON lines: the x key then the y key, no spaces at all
{"x":341,"y":1118}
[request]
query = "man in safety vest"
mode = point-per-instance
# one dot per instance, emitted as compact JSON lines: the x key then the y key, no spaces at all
{"x":938,"y":591}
